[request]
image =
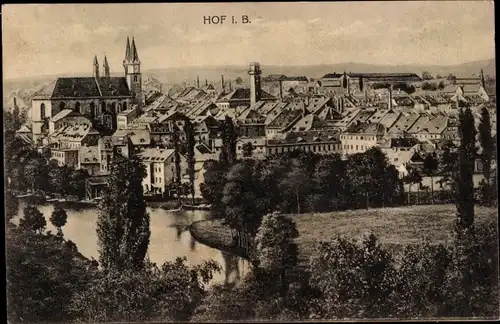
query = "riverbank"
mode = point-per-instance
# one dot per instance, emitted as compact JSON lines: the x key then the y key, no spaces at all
{"x":395,"y":227}
{"x":214,"y":234}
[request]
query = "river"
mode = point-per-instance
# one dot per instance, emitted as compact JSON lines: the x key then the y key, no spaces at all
{"x":170,"y":238}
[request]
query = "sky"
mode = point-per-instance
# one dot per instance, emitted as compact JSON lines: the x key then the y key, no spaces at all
{"x":63,"y":38}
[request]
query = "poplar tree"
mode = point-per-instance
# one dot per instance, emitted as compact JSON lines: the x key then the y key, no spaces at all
{"x":177,"y":162}
{"x":189,"y":130}
{"x":466,"y":157}
{"x":123,"y":224}
{"x":228,"y":134}
{"x":487,"y":145}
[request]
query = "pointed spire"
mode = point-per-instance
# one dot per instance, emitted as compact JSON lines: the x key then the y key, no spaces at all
{"x":135,"y":57}
{"x":95,"y":60}
{"x":127,"y":50}
{"x":482,"y":78}
{"x":106,"y":67}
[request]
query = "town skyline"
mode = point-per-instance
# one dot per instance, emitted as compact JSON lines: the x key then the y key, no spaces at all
{"x":350,"y":33}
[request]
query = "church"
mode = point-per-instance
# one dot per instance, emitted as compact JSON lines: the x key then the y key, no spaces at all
{"x":99,"y":98}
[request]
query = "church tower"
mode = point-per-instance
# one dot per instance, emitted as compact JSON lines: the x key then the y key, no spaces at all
{"x":96,"y":68}
{"x":133,"y":75}
{"x":105,"y":65}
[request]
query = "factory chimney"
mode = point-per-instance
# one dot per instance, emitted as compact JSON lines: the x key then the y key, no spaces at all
{"x":222,"y":82}
{"x":198,"y":82}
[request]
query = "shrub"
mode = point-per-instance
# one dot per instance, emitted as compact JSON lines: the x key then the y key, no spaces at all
{"x":355,"y":281}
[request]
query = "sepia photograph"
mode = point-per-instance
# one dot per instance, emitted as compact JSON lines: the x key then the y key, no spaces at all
{"x":250,"y":161}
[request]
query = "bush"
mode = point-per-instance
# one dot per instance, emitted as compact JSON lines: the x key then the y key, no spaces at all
{"x":43,"y":274}
{"x":170,"y":293}
{"x":355,"y":281}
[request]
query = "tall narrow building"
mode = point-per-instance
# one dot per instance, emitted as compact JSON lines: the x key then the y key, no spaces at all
{"x":133,"y":74}
{"x":255,"y":91}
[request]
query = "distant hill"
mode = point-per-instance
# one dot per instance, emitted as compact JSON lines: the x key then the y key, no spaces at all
{"x":24,"y":89}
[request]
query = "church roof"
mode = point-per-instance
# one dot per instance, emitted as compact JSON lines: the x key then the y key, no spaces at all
{"x":83,"y":87}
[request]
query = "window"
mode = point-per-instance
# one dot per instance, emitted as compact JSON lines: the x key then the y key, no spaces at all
{"x":77,"y":107}
{"x":135,"y":78}
{"x":62,"y":106}
{"x":42,"y":111}
{"x":125,"y":105}
{"x":93,"y":113}
{"x":103,"y":107}
{"x":356,"y":147}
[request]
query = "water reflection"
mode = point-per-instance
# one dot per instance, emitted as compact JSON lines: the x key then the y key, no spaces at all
{"x":170,"y":238}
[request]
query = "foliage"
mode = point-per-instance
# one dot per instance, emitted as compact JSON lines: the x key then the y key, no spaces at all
{"x":123,"y":223}
{"x":43,"y":273}
{"x":189,"y":130}
{"x":171,"y":292}
{"x":239,"y":80}
{"x":228,"y":135}
{"x":430,"y":167}
{"x":213,"y":185}
{"x":276,"y":251}
{"x":177,"y":160}
{"x":429,"y":86}
{"x":448,"y":162}
{"x":32,"y":220}
{"x":466,"y":159}
{"x":58,"y":219}
{"x":355,"y":281}
{"x":426,"y":75}
{"x":487,"y":154}
{"x":247,"y":149}
{"x":11,"y":205}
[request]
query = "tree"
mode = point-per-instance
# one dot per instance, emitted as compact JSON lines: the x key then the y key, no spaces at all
{"x":58,"y":219}
{"x":466,"y":158}
{"x":189,"y":130}
{"x":276,"y":250}
{"x":213,"y":185}
{"x":448,"y":166}
{"x":355,"y":280}
{"x":239,"y":80}
{"x":248,"y":149}
{"x":413,"y":177}
{"x":123,"y":223}
{"x":33,"y":220}
{"x":11,"y":205}
{"x":431,"y":166}
{"x":228,"y":150}
{"x":452,"y":78}
{"x":295,"y":182}
{"x":426,"y":75}
{"x":441,"y":85}
{"x":76,"y":182}
{"x":487,"y":146}
{"x":177,"y":162}
{"x":42,"y":276}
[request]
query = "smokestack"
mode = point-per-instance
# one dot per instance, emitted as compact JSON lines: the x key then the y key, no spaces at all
{"x":206,"y":82}
{"x":197,"y":82}
{"x":15,"y":102}
{"x":230,"y":86}
{"x":222,"y":82}
{"x":161,"y":87}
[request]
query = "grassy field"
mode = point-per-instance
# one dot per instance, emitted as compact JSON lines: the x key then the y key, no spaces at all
{"x":395,"y":227}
